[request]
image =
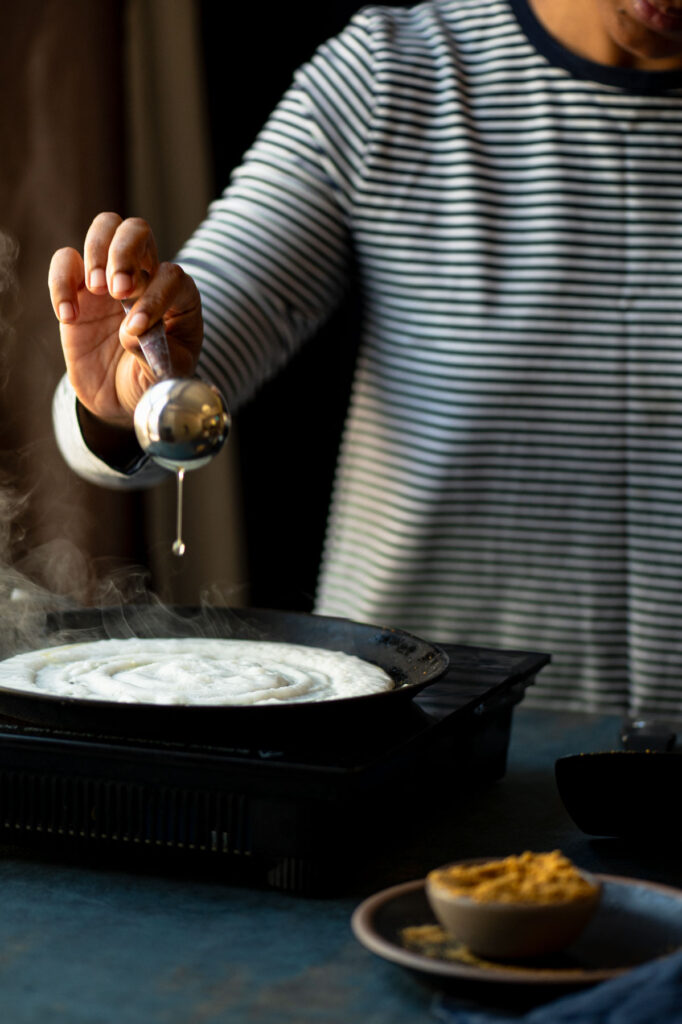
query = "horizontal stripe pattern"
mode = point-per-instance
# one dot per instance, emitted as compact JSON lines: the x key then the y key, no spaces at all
{"x":511,"y":467}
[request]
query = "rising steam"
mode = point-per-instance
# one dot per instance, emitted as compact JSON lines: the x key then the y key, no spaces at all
{"x":24,"y":604}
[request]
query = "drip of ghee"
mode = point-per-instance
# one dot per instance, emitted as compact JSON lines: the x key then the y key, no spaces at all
{"x":179,"y":544}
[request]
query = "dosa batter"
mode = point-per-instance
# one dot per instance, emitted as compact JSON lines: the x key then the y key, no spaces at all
{"x":192,"y":670}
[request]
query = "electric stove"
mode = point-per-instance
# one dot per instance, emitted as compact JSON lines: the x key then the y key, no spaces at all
{"x":290,"y":814}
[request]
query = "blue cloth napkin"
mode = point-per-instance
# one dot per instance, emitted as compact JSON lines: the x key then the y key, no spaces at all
{"x":649,"y":994}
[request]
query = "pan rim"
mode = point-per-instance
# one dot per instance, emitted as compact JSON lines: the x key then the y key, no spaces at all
{"x":436,"y":661}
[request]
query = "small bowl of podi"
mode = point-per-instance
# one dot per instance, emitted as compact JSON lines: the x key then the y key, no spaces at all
{"x":513,"y":908}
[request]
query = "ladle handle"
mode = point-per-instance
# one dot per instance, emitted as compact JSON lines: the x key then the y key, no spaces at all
{"x":154,"y":345}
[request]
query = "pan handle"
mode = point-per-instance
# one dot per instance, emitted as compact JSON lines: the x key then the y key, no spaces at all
{"x":480,"y":677}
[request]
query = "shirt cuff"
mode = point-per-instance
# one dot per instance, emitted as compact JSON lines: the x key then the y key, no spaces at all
{"x":141,"y":473}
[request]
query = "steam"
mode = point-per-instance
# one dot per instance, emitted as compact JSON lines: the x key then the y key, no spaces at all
{"x":22,"y":604}
{"x":48,"y":580}
{"x":25,"y":603}
{"x":79,"y":598}
{"x":9,"y":287}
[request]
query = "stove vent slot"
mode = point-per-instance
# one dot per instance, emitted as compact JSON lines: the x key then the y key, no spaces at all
{"x":122,"y":812}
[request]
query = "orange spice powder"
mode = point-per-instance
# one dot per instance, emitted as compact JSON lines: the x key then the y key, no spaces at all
{"x":526,"y":878}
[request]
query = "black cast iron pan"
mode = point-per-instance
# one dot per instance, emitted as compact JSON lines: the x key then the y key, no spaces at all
{"x":411,"y":662}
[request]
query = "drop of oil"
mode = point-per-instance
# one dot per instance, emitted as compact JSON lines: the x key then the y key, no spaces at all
{"x":179,"y":544}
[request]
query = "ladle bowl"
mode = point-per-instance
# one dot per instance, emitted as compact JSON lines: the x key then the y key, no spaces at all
{"x":181,"y":423}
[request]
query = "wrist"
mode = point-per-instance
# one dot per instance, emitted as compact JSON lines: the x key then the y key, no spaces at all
{"x":116,"y":445}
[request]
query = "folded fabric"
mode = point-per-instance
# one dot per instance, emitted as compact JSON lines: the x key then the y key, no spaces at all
{"x":649,"y":994}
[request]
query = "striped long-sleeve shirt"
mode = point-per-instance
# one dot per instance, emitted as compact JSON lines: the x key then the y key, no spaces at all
{"x":511,"y":467}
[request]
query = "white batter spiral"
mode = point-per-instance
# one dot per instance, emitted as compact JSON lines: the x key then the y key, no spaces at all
{"x":193,"y":670}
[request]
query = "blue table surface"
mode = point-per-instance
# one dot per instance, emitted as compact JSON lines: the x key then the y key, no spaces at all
{"x":99,"y":943}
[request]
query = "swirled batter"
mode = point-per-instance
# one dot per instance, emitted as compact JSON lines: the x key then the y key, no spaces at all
{"x":192,"y":670}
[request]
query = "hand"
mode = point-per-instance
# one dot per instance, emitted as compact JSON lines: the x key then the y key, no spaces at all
{"x":104,"y":361}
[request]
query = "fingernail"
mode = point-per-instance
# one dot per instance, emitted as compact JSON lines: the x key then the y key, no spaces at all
{"x":138,"y":322}
{"x":98,"y":279}
{"x":121,"y":283}
{"x":66,"y":311}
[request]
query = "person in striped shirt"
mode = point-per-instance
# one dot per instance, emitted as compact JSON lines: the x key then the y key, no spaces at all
{"x":502,"y":180}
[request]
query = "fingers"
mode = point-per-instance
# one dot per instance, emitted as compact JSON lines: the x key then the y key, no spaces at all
{"x":119,"y":255}
{"x":65,"y":279}
{"x":169,"y":292}
{"x":120,"y":262}
{"x":119,"y":258}
{"x":171,"y":298}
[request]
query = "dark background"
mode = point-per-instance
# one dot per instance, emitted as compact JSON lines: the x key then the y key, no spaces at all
{"x":289,"y":433}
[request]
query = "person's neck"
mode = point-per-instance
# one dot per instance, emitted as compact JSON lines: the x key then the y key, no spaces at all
{"x":579,"y":26}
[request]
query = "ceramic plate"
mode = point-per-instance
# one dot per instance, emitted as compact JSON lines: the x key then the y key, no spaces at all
{"x":636,"y":921}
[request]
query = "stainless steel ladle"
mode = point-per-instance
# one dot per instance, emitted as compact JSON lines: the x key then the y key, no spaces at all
{"x":181,"y":423}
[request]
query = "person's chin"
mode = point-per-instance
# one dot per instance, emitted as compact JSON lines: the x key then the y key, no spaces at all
{"x":664,"y":20}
